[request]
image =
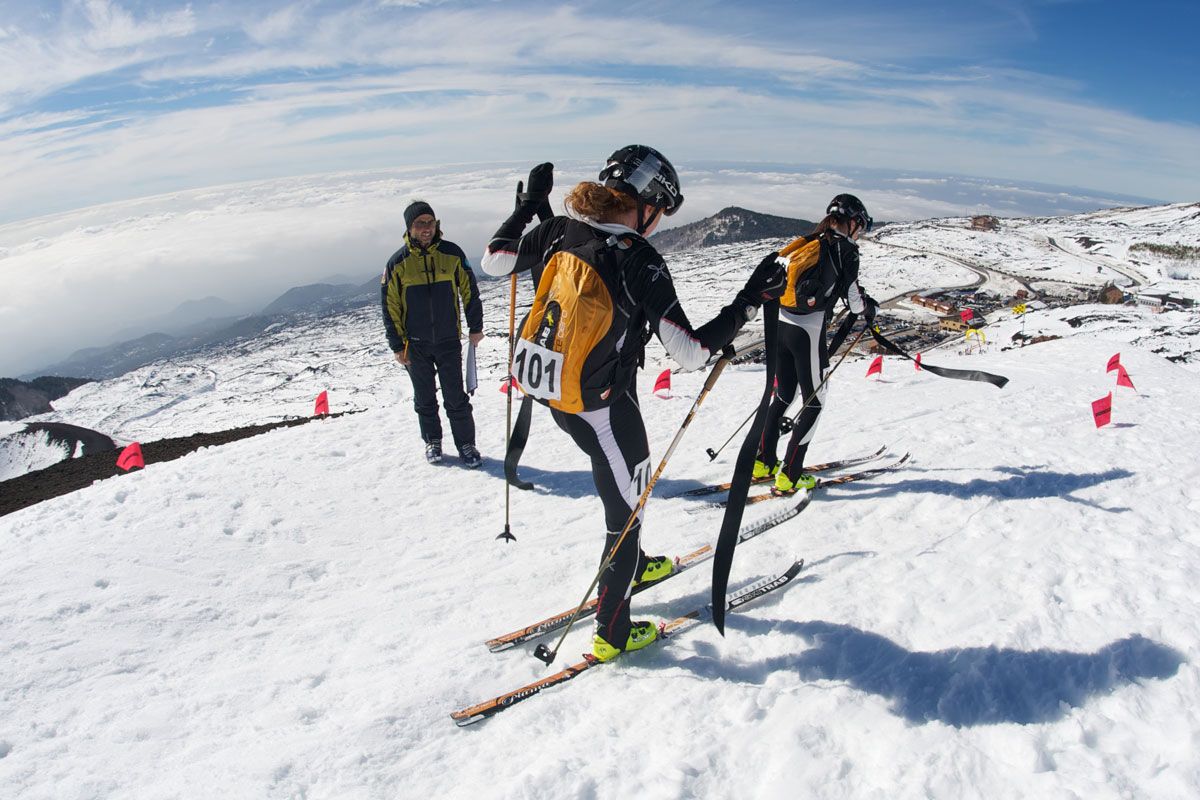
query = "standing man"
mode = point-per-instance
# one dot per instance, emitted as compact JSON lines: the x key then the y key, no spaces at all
{"x":427,"y":285}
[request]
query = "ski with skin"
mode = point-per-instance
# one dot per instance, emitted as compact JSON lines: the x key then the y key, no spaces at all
{"x":834,"y":481}
{"x":716,"y":488}
{"x":666,"y":632}
{"x":682,"y":564}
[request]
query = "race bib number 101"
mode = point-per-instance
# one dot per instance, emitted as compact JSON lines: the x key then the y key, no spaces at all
{"x":538,"y":370}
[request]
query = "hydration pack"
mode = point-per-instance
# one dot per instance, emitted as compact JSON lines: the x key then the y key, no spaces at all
{"x":802,"y":254}
{"x":569,"y":351}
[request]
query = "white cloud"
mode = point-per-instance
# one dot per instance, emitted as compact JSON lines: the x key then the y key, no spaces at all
{"x":113,"y":27}
{"x":560,"y":82}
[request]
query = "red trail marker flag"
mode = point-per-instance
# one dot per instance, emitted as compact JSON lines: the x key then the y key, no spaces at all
{"x":322,"y":406}
{"x":876,"y":367}
{"x":131,"y":457}
{"x":662,"y":386}
{"x":1123,"y":377}
{"x":1113,"y":362}
{"x":1102,"y":410}
{"x":917,"y":362}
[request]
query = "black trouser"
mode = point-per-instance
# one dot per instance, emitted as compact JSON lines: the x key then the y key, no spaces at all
{"x":443,"y":359}
{"x":615,"y":439}
{"x":803,"y":359}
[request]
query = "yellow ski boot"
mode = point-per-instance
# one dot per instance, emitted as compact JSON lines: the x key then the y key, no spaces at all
{"x":641,"y":634}
{"x":785,"y":485}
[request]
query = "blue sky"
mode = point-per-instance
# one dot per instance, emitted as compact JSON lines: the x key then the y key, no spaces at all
{"x":104,"y":100}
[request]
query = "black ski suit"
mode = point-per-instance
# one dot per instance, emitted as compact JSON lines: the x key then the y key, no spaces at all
{"x":614,"y":436}
{"x":803,"y":347}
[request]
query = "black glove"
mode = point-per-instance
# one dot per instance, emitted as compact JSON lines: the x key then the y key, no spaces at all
{"x":529,"y":203}
{"x":768,"y":281}
{"x":541,"y":183}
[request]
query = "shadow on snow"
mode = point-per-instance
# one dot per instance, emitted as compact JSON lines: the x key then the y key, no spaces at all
{"x":1021,"y":484}
{"x":960,"y":686}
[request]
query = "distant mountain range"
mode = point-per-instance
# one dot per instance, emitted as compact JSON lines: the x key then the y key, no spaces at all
{"x":729,"y":226}
{"x":298,"y":302}
{"x":198,"y":324}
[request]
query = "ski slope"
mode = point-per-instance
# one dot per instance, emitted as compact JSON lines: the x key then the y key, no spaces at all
{"x":295,"y":615}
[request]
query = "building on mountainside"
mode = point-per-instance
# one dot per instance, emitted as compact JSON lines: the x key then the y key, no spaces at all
{"x":985,"y":222}
{"x":958,"y":325}
{"x":1158,"y":302}
{"x":1021,"y":295}
{"x":1110,"y":295}
{"x":933,"y":304}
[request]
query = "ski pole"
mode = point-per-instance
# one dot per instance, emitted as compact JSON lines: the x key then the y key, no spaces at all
{"x":507,"y":535}
{"x":787,"y":423}
{"x":541,"y":651}
{"x":712,"y":454}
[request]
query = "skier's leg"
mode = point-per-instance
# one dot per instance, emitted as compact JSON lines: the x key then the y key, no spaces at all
{"x":805,"y":342}
{"x":784,"y":394}
{"x":615,"y":440}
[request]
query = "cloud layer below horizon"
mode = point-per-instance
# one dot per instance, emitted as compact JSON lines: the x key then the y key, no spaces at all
{"x":106,"y":270}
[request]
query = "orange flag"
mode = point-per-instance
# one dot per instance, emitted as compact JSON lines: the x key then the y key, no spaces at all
{"x":876,"y":367}
{"x":322,"y":406}
{"x":1123,"y":377}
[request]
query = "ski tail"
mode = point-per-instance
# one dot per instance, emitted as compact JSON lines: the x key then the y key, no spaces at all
{"x":733,"y":602}
{"x":836,"y":480}
{"x":516,"y":445}
{"x":853,"y":461}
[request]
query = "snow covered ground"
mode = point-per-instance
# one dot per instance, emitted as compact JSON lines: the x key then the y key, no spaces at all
{"x":295,"y":614}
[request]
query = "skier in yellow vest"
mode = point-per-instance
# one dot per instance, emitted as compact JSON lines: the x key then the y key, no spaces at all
{"x":822,"y":270}
{"x":603,"y":292}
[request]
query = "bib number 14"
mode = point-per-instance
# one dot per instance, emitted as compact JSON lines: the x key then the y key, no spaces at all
{"x":537,"y":370}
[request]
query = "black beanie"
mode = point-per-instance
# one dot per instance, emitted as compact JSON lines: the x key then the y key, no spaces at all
{"x":415,"y":209}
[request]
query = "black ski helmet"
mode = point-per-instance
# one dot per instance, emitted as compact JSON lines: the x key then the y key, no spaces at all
{"x":645,"y":174}
{"x":850,"y":207}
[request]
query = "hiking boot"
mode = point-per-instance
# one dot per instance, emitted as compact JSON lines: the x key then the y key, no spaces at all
{"x":785,"y":485}
{"x":762,"y":471}
{"x":470,"y":456}
{"x":433,"y":451}
{"x":641,"y":634}
{"x":656,"y":568}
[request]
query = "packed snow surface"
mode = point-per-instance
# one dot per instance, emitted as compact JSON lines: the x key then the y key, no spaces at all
{"x":296,"y":614}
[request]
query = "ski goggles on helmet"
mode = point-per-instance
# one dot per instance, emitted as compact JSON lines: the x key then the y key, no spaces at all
{"x":851,"y":210}
{"x":650,"y":181}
